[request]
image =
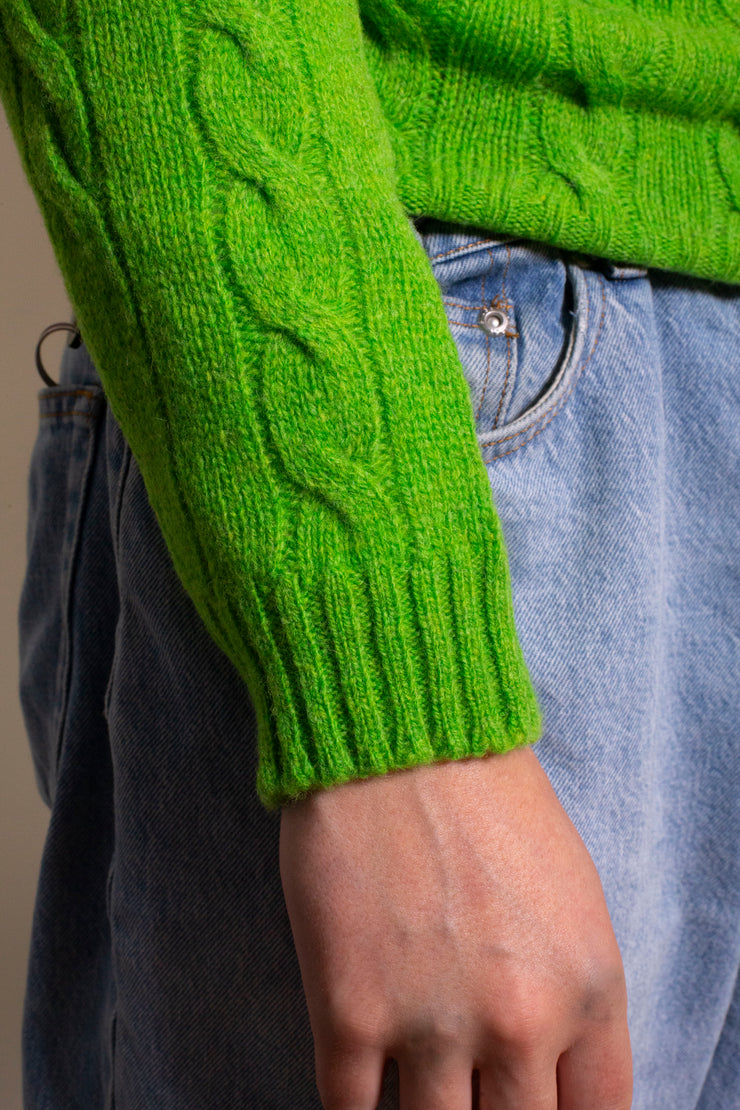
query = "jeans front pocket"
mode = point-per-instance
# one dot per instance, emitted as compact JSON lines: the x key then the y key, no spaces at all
{"x":523,"y":316}
{"x":69,"y":419}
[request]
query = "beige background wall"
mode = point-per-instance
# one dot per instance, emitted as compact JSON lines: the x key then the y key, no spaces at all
{"x":32,"y":295}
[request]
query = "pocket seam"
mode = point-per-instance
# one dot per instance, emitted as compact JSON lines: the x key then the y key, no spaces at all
{"x":65,"y":391}
{"x":121,"y":484}
{"x":92,"y":418}
{"x":123,"y":478}
{"x":539,"y":422}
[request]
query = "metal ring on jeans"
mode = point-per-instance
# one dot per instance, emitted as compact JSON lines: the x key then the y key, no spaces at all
{"x":75,"y":342}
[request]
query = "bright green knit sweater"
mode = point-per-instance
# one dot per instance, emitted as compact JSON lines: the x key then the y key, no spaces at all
{"x":227,"y":185}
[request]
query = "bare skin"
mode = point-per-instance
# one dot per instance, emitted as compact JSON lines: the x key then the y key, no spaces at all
{"x":450,"y":917}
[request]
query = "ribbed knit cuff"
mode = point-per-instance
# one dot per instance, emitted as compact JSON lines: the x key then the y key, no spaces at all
{"x":380,"y":666}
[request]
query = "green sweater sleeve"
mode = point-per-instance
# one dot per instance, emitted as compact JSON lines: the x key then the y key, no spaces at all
{"x":218,"y":186}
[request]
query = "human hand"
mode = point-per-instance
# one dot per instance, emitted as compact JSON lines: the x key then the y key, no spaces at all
{"x":450,"y":917}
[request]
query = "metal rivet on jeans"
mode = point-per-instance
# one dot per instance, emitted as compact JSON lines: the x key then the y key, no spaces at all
{"x":493,"y":320}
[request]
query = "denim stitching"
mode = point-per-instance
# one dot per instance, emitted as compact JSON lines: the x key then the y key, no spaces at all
{"x":506,"y":377}
{"x":508,"y":341}
{"x":91,"y":396}
{"x":123,"y":478}
{"x":471,"y":308}
{"x":456,"y":250}
{"x":495,"y":303}
{"x":465,"y":305}
{"x":71,"y":412}
{"x":488,"y":342}
{"x":72,"y":393}
{"x":468,"y":308}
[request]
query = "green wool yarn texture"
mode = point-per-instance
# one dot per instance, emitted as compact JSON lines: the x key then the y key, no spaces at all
{"x":227,"y":188}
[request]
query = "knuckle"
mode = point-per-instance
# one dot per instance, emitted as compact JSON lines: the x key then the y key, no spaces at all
{"x":522,"y":1023}
{"x":525,"y":1033}
{"x":602,"y":991}
{"x":439,"y":1034}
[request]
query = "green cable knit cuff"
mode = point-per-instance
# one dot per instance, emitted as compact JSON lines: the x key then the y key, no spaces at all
{"x":382,"y":665}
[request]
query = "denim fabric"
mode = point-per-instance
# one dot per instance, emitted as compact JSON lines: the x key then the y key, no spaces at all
{"x":162,"y":971}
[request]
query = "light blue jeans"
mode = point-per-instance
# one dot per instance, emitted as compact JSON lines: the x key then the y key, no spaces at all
{"x":162,"y":973}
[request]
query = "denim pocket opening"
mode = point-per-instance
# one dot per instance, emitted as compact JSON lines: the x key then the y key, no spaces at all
{"x":521,"y":374}
{"x":587,"y":316}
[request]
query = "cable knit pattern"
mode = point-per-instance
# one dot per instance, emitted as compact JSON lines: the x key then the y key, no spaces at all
{"x":227,"y":187}
{"x":604,"y":126}
{"x":273,"y":343}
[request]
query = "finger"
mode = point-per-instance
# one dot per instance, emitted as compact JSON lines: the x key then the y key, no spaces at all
{"x":527,"y":1088}
{"x":349,"y":1077}
{"x":445,"y":1084}
{"x":597,"y":1071}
